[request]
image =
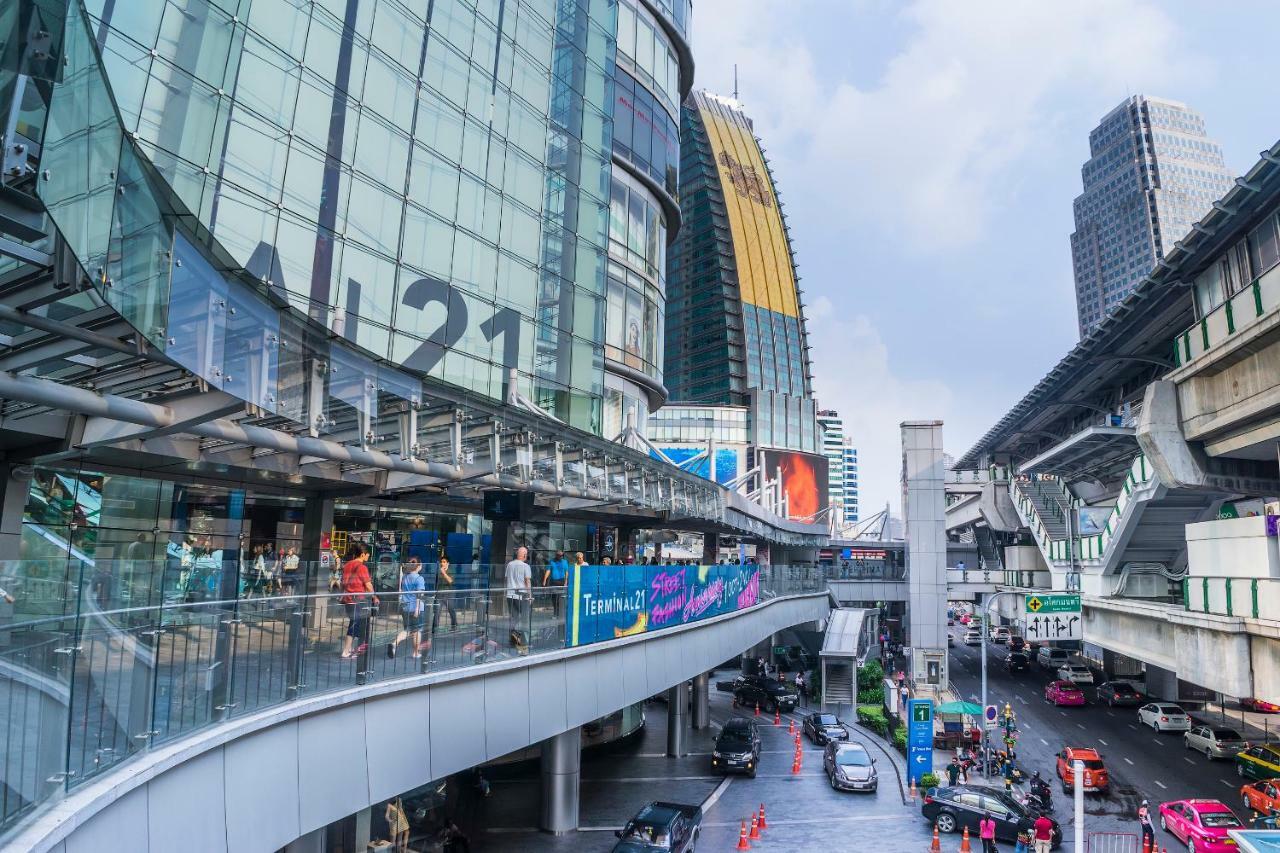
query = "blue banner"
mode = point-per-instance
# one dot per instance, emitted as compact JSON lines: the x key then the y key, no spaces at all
{"x":919,"y":738}
{"x":606,"y":602}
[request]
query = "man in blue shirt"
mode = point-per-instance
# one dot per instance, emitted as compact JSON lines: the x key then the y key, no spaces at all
{"x":556,"y":575}
{"x":413,"y":608}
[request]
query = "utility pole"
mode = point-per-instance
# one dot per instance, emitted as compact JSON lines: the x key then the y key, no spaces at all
{"x":986,"y":628}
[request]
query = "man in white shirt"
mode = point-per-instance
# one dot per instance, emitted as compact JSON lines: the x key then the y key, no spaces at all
{"x":519,"y":584}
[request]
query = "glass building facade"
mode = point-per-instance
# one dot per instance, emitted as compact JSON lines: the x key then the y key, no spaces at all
{"x":735,"y":330}
{"x":437,"y":186}
{"x":1152,"y":173}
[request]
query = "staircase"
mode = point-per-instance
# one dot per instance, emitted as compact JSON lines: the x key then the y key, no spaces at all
{"x":1049,"y":497}
{"x":990,"y":554}
{"x":839,"y":686}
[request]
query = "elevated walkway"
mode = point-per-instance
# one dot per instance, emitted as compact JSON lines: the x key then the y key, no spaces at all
{"x":261,"y":780}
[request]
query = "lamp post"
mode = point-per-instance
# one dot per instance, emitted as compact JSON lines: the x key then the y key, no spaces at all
{"x":986,"y":627}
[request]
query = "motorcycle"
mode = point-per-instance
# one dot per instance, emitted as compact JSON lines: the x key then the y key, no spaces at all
{"x":1039,"y":801}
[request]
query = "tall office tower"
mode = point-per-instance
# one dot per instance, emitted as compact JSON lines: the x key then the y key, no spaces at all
{"x":1152,"y":172}
{"x":735,"y":321}
{"x":833,"y":447}
{"x":850,"y":482}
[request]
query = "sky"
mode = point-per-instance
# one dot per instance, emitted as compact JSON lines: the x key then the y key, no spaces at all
{"x":927,"y":153}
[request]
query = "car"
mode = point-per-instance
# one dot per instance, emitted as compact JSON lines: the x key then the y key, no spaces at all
{"x":1096,"y":777}
{"x":973,"y":637}
{"x":1076,"y":673}
{"x":1120,"y":693}
{"x":1259,"y":762}
{"x":1164,"y":717}
{"x":1063,"y":693}
{"x":1260,"y":705}
{"x":957,"y":807}
{"x":1214,"y":742}
{"x":1051,"y":658}
{"x":849,"y":767}
{"x":1000,"y":633}
{"x":768,"y":694}
{"x":1017,"y":644}
{"x":1200,"y":824}
{"x":821,"y":728}
{"x":661,"y":826}
{"x":737,"y":747}
{"x":1262,"y":797}
{"x":965,"y":618}
{"x":1265,"y":821}
{"x":1017,"y":662}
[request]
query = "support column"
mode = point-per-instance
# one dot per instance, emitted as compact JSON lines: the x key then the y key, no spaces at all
{"x":561,"y":763}
{"x":14,"y":483}
{"x":678,"y":720}
{"x":710,"y":549}
{"x":315,"y":556}
{"x":702,"y":701}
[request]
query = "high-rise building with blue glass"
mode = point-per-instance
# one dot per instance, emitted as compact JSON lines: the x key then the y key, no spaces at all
{"x":1152,"y":173}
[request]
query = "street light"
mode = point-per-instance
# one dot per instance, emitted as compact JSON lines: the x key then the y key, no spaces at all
{"x":986,"y":627}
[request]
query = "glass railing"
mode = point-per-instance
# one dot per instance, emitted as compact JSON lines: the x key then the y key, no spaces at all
{"x":86,"y":684}
{"x":1250,"y":598}
{"x":1244,"y":309}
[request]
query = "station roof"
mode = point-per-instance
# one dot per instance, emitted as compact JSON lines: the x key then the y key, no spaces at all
{"x":1137,"y":335}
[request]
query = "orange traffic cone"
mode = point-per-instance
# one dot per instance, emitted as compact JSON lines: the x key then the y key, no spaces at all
{"x":1146,"y":845}
{"x":763,"y":823}
{"x":935,"y":847}
{"x":791,"y":727}
{"x":795,"y":765}
{"x":964,"y":842}
{"x":743,"y":844}
{"x":757,"y":709}
{"x":777,"y":717}
{"x":755,"y":829}
{"x":913,"y":790}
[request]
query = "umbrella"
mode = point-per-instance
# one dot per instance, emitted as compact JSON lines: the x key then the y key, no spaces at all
{"x":960,"y":708}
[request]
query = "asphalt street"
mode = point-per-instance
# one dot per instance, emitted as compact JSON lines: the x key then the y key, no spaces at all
{"x":1142,"y":763}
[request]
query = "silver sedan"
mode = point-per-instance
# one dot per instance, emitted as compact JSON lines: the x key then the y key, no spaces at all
{"x":1214,"y":743}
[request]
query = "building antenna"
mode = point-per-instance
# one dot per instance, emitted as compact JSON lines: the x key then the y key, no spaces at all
{"x":735,"y":81}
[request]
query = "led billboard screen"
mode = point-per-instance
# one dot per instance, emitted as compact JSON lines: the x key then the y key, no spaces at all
{"x":805,"y":479}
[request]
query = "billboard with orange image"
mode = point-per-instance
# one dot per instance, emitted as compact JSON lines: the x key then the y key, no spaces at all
{"x":805,"y":478}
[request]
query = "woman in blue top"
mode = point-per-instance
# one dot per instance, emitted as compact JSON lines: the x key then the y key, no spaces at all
{"x":413,"y":609}
{"x":556,"y":575}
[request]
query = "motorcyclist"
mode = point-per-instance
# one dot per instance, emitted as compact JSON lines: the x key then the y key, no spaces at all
{"x":1039,"y":787}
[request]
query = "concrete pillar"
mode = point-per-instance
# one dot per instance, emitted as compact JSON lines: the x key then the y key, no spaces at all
{"x":14,"y":483}
{"x":561,"y":764}
{"x":678,"y":720}
{"x":710,"y":548}
{"x":702,"y":701}
{"x":317,"y":524}
{"x":924,"y":509}
{"x":501,"y":549}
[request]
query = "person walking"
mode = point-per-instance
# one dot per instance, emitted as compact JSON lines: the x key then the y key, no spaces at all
{"x":289,"y":572}
{"x":357,"y":587}
{"x":1042,"y":833}
{"x":412,"y":607}
{"x":953,"y":772}
{"x":519,"y":586}
{"x":802,"y":688}
{"x":987,"y":832}
{"x":556,"y":575}
{"x":444,"y":596}
{"x":1144,"y":821}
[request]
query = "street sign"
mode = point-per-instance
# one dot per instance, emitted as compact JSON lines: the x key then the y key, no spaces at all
{"x":919,"y":738}
{"x":990,"y":716}
{"x":1053,"y":603}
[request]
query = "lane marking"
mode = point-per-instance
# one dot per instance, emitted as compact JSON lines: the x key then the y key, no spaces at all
{"x":1080,"y":726}
{"x":1157,"y":740}
{"x":714,"y":796}
{"x":1161,"y":784}
{"x":1101,"y":741}
{"x":1043,"y":741}
{"x":1132,"y":726}
{"x":1110,"y":713}
{"x":812,"y":820}
{"x":1127,"y":761}
{"x":1228,"y":784}
{"x":1063,"y":713}
{"x":1020,"y":699}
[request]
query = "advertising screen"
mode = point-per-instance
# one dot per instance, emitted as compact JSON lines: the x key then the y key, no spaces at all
{"x":804,"y":480}
{"x":729,"y":460}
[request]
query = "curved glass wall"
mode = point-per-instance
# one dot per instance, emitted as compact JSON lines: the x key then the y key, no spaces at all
{"x":647,"y":53}
{"x":430,"y":190}
{"x":635,"y":295}
{"x":679,"y":13}
{"x":644,"y":133}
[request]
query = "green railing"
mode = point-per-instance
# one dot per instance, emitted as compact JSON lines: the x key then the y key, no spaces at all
{"x":1243,"y":310}
{"x":1250,"y":598}
{"x":1092,"y":547}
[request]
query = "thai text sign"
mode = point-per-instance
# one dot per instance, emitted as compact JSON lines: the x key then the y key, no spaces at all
{"x":606,"y":602}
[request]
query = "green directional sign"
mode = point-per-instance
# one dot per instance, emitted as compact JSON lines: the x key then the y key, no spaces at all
{"x":1053,"y":603}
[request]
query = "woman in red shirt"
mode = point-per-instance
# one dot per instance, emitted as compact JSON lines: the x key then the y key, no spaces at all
{"x":356,"y":585}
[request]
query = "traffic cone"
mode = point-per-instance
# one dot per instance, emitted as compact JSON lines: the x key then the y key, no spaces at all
{"x":795,"y":765}
{"x":763,"y":823}
{"x":791,"y":727}
{"x":755,"y":829}
{"x":757,"y":709}
{"x":777,"y":717}
{"x":1146,"y":845}
{"x":743,"y":844}
{"x":936,"y":846}
{"x":964,"y":842}
{"x":913,"y":790}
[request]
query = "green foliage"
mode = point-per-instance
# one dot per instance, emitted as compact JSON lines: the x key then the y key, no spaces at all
{"x":900,"y":739}
{"x":872,"y":716}
{"x":871,"y":675}
{"x":929,"y":780}
{"x":871,"y":696}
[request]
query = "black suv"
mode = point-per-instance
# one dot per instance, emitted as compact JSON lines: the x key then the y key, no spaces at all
{"x":959,"y":806}
{"x":737,"y":747}
{"x":1119,"y":693}
{"x":1017,"y":662}
{"x":767,"y":693}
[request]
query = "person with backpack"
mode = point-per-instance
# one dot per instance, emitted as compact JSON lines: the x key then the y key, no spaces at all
{"x":413,"y":610}
{"x":357,"y":587}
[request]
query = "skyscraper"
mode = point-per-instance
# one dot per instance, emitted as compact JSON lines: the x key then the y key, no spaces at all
{"x":735,"y":323}
{"x":833,"y":447}
{"x":850,"y":482}
{"x":1152,"y":172}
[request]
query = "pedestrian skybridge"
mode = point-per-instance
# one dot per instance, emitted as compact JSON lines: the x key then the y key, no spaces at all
{"x":238,"y":725}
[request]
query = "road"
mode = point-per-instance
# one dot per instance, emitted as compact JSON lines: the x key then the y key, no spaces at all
{"x":1142,"y":763}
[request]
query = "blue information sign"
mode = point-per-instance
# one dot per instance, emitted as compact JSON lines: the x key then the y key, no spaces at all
{"x":919,"y":738}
